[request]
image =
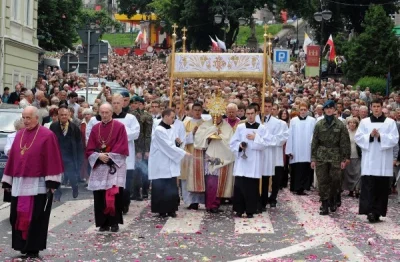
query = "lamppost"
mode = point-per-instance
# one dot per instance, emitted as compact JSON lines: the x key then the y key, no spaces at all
{"x":225,"y":14}
{"x":325,"y":15}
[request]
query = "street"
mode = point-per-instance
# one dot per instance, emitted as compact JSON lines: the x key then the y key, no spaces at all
{"x":291,"y":232}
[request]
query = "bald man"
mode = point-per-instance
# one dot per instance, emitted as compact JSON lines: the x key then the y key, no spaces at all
{"x":33,"y":171}
{"x":107,"y":151}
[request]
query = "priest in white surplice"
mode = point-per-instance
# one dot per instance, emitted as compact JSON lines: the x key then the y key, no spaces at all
{"x":248,"y":145}
{"x":298,"y":148}
{"x":164,"y":167}
{"x":376,"y":136}
{"x":277,"y":134}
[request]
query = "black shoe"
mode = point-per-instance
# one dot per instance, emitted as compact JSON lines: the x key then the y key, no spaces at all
{"x":104,"y":229}
{"x":239,"y":214}
{"x":139,"y":199}
{"x":125,"y":210}
{"x":332,"y":204}
{"x":371,"y":218}
{"x":163,"y":215}
{"x":145,"y":196}
{"x":263,"y":209}
{"x":339,"y":200}
{"x":172,"y":214}
{"x":194,"y":206}
{"x":75,"y":192}
{"x":301,"y":193}
{"x":214,"y":210}
{"x":357,"y":194}
{"x":324,"y":208}
{"x":114,"y":228}
{"x":351,"y":194}
{"x":250,"y":215}
{"x":31,"y":254}
{"x":272,"y":204}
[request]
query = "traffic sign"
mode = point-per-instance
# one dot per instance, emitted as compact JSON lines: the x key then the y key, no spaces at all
{"x":94,"y":36}
{"x":68,"y":62}
{"x":101,"y":49}
{"x":93,"y":63}
{"x":281,"y":59}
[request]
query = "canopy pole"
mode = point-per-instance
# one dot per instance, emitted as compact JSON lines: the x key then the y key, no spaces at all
{"x":172,"y":64}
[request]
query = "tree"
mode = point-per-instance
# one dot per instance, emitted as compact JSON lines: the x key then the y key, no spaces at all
{"x":197,"y":16}
{"x":101,"y":18}
{"x":376,"y":50}
{"x":57,"y":23}
{"x":345,"y":13}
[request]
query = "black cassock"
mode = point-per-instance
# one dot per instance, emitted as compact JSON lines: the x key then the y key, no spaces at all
{"x":38,"y":228}
{"x":164,"y":195}
{"x":101,"y":219}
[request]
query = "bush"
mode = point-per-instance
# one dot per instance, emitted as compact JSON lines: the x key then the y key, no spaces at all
{"x":375,"y":84}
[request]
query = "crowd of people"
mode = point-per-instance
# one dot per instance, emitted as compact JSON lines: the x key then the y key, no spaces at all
{"x":137,"y":144}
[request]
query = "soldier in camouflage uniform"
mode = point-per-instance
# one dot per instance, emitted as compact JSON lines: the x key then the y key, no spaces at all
{"x":330,"y":153}
{"x":142,"y":148}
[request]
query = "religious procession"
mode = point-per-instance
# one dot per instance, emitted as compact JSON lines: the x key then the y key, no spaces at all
{"x":214,"y":133}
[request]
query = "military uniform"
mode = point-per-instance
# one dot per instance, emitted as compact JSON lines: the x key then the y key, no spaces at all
{"x":142,"y":145}
{"x":330,"y":146}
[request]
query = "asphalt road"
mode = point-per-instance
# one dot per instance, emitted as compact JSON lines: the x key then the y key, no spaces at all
{"x":294,"y":231}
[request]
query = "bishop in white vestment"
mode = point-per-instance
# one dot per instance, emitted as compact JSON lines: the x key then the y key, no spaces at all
{"x":376,"y":136}
{"x":248,"y":145}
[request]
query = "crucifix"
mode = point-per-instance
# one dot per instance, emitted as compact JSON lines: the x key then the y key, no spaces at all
{"x":174,"y":26}
{"x":184,"y":30}
{"x":265,"y":29}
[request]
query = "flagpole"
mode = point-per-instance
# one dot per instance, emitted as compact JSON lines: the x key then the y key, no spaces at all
{"x":171,"y":79}
{"x":270,"y":69}
{"x":263,"y":87}
{"x":184,"y":30}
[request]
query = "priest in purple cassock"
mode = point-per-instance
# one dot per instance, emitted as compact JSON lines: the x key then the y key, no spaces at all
{"x":33,"y":171}
{"x":107,"y":151}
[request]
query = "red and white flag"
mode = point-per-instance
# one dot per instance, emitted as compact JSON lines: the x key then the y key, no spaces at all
{"x":332,"y":52}
{"x":214,"y":44}
{"x":221,"y":44}
{"x":139,"y":36}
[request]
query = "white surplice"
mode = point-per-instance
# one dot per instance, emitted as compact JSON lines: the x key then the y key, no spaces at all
{"x":277,"y":133}
{"x":132,"y":128}
{"x":165,"y":157}
{"x":377,"y":157}
{"x":252,"y":166}
{"x":300,"y":138}
{"x":179,"y":129}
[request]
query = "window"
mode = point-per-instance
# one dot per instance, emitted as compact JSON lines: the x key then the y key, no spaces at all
{"x":16,"y":76}
{"x":28,"y":81}
{"x":15,"y":9}
{"x":28,"y":12}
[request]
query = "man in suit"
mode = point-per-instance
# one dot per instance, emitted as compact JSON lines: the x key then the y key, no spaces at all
{"x":15,"y":96}
{"x":70,"y":140}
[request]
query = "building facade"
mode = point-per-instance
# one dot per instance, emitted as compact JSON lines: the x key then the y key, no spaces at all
{"x":19,"y":50}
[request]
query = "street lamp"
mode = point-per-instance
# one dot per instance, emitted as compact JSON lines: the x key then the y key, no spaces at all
{"x":325,"y":15}
{"x":218,"y":19}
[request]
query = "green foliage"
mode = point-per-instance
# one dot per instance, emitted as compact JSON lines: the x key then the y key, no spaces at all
{"x":245,"y":32}
{"x":118,"y":39}
{"x":102,"y":18}
{"x":197,"y":16}
{"x":375,"y":84}
{"x":375,"y":51}
{"x":57,"y":23}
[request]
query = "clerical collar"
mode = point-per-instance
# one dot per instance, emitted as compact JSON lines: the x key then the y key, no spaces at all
{"x":254,"y":125}
{"x":120,"y":115}
{"x":106,"y":122}
{"x":302,"y":118}
{"x":379,"y":119}
{"x":164,"y":125}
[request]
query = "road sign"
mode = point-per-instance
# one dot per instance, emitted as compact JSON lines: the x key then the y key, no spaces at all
{"x":101,"y":49}
{"x":281,"y":59}
{"x":93,"y":63}
{"x":68,"y":62}
{"x":94,"y":36}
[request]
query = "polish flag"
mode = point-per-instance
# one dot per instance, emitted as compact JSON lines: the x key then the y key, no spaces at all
{"x":139,"y":36}
{"x":214,"y":44}
{"x":332,"y":52}
{"x":221,"y":44}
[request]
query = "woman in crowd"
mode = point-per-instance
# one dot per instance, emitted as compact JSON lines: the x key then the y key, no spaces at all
{"x":284,"y":116}
{"x":352,"y":173}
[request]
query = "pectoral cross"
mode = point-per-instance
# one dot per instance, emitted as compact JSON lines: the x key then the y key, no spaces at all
{"x":23,"y":149}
